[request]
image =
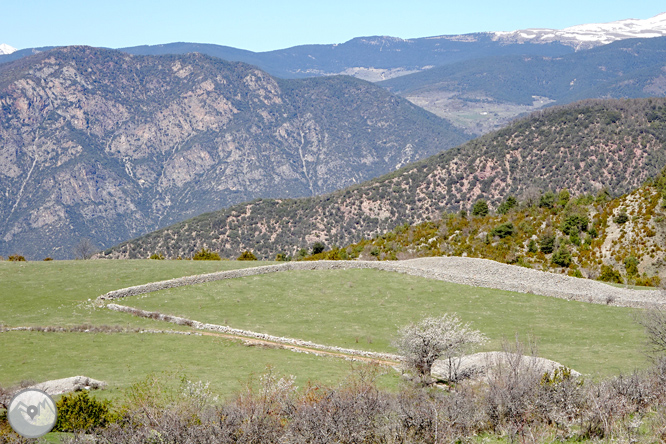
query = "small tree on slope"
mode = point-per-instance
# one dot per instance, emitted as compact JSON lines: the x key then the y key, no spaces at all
{"x":434,"y":338}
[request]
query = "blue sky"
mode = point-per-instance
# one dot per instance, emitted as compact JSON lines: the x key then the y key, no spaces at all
{"x":261,"y":25}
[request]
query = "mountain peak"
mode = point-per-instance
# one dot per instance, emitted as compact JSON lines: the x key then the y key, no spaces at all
{"x":6,"y":49}
{"x":590,"y":35}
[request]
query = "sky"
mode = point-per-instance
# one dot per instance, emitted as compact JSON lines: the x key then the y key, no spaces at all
{"x":263,"y":25}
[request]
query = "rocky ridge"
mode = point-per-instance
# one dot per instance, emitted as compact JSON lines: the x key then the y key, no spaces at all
{"x":106,"y":145}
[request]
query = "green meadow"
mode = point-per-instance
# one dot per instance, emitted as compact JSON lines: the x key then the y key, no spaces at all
{"x":57,"y":293}
{"x":364,"y":308}
{"x":349,"y":308}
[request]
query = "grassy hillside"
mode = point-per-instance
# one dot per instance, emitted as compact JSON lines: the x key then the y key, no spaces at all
{"x":582,"y":147}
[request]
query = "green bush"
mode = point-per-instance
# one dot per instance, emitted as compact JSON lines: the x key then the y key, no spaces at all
{"x":157,"y":256}
{"x":318,"y":247}
{"x":532,"y":246}
{"x":503,"y":230}
{"x":610,"y":274}
{"x":77,"y":412}
{"x":563,"y":197}
{"x":631,"y":265}
{"x":206,"y":255}
{"x":247,"y":256}
{"x":574,"y":224}
{"x":574,"y":238}
{"x":562,"y":257}
{"x":506,"y":206}
{"x":547,"y":200}
{"x":621,"y":218}
{"x":547,"y":243}
{"x":480,"y":208}
{"x":16,"y":258}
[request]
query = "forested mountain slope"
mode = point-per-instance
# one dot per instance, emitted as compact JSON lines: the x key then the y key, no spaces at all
{"x":583,"y":147}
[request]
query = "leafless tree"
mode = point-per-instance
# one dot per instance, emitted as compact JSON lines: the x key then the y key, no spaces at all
{"x":530,"y":197}
{"x":85,"y":249}
{"x":434,"y":338}
{"x":654,"y":322}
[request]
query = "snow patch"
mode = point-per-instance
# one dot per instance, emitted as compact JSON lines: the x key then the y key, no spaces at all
{"x":6,"y":49}
{"x":590,"y":35}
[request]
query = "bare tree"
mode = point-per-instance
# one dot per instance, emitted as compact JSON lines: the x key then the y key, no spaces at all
{"x":654,"y":322}
{"x":85,"y":249}
{"x":434,"y":338}
{"x":530,"y":197}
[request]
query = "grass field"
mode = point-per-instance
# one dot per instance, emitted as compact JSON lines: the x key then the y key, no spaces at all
{"x":56,"y":294}
{"x":350,"y":308}
{"x":364,"y":308}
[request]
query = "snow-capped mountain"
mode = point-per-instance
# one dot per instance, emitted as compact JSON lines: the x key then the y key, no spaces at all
{"x":6,"y":49}
{"x":590,"y":35}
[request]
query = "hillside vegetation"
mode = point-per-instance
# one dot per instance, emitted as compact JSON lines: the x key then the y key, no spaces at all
{"x":617,"y":240}
{"x":584,"y":147}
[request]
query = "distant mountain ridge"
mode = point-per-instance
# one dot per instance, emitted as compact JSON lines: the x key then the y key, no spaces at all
{"x":102,"y":144}
{"x":370,"y":58}
{"x":485,"y":94}
{"x":582,"y":147}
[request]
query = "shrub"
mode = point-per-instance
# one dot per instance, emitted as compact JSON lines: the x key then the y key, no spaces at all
{"x":506,"y":206}
{"x":503,"y":230}
{"x":621,"y":218}
{"x":532,"y":246}
{"x":318,"y":247}
{"x":547,"y":243}
{"x":631,"y":265}
{"x":282,"y":257}
{"x":480,"y":208}
{"x":574,"y":224}
{"x":547,"y":200}
{"x":562,"y":257}
{"x":77,"y":412}
{"x":16,"y":258}
{"x":205,"y":255}
{"x":654,"y":322}
{"x":575,"y":239}
{"x":157,"y":256}
{"x":46,"y":259}
{"x":610,"y":274}
{"x":563,"y":197}
{"x":247,"y":256}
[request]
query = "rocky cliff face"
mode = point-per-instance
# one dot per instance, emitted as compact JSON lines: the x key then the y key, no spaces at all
{"x":100,"y":144}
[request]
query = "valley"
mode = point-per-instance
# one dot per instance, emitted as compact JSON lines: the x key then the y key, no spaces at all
{"x":456,"y":238}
